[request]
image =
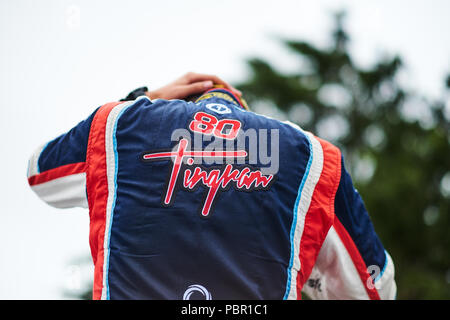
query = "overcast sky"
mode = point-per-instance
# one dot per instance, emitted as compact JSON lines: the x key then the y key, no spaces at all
{"x":61,"y":59}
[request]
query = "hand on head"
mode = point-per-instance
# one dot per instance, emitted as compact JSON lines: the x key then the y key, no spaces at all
{"x":188,"y":85}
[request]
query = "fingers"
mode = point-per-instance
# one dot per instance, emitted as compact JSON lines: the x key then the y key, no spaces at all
{"x":191,"y":84}
{"x":184,"y":91}
{"x":192,"y":77}
{"x":195,"y":77}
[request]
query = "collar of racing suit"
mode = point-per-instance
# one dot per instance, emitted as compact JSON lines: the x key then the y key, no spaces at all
{"x":220,"y":92}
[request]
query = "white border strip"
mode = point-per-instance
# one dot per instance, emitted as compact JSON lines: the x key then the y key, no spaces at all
{"x":385,"y":284}
{"x":33,"y":162}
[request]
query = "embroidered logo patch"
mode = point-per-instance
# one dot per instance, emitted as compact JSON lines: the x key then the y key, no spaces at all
{"x":218,"y":108}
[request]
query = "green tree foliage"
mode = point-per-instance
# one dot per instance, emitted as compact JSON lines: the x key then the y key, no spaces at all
{"x":396,"y":146}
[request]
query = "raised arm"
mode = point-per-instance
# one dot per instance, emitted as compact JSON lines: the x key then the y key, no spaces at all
{"x":57,"y":169}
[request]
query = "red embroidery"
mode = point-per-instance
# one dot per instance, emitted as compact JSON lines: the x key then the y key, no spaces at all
{"x":208,"y":124}
{"x":243,"y":178}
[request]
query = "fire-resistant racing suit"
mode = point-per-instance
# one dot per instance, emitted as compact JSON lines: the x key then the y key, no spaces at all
{"x":174,"y":216}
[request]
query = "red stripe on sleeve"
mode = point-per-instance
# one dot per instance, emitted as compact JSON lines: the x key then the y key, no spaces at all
{"x":356,"y":258}
{"x":97,"y":190}
{"x":320,"y":215}
{"x":58,"y":172}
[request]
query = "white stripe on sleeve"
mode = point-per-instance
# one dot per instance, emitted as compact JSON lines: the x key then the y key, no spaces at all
{"x":64,"y":192}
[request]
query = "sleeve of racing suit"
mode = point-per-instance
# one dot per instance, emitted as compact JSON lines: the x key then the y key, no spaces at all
{"x":352,"y":263}
{"x":57,"y":169}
